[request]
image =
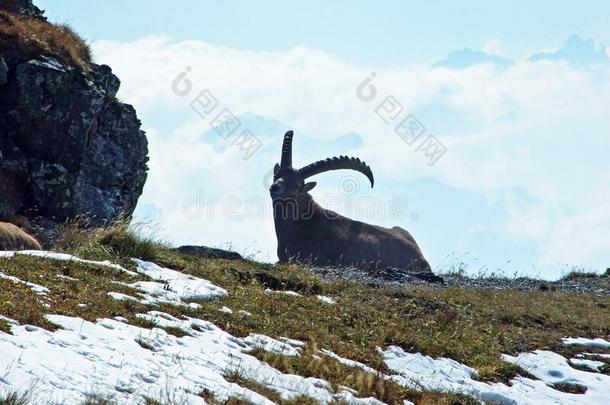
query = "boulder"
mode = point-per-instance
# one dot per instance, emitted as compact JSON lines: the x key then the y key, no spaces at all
{"x":208,"y":252}
{"x":68,"y":147}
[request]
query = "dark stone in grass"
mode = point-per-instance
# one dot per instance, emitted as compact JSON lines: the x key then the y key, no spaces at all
{"x":208,"y":252}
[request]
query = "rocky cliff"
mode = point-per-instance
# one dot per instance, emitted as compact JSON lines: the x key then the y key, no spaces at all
{"x":68,"y":147}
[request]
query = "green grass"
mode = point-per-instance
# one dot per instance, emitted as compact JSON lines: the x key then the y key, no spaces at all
{"x":471,"y":326}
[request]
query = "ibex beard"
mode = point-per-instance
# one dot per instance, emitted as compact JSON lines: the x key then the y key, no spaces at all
{"x":308,"y":233}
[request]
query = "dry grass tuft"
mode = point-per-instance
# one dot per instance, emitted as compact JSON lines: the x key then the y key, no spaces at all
{"x":118,"y":240}
{"x":43,"y":38}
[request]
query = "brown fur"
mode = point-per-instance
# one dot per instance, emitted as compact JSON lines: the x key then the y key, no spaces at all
{"x":309,"y":233}
{"x":15,"y":238}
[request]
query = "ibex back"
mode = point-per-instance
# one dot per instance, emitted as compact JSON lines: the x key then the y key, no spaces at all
{"x":309,"y":233}
{"x":15,"y":238}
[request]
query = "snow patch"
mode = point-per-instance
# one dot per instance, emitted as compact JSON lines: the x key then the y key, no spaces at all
{"x":291,"y":293}
{"x":122,"y":297}
{"x":348,"y":362}
{"x":598,"y":342}
{"x":293,"y":342}
{"x":170,"y":287}
{"x":38,"y":289}
{"x":602,"y":355}
{"x":67,"y":258}
{"x":176,"y":286}
{"x":422,"y":372}
{"x":271,"y":345}
{"x":592,"y":365}
{"x":326,"y":300}
{"x":107,"y":359}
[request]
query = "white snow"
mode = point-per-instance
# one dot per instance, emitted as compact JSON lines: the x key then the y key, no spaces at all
{"x":38,"y":289}
{"x":291,"y":293}
{"x":122,"y":297}
{"x":174,"y":286}
{"x":554,"y":369}
{"x":348,"y":362}
{"x":226,"y":310}
{"x":418,"y":371}
{"x":112,"y":359}
{"x":293,"y":342}
{"x":105,"y":358}
{"x":592,"y":365}
{"x":602,"y":355}
{"x":171,"y":287}
{"x":64,"y":257}
{"x":271,"y":345}
{"x":326,"y":300}
{"x":598,"y":342}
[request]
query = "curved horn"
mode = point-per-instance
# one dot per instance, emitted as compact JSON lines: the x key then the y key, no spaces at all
{"x":336,"y":163}
{"x":287,"y":150}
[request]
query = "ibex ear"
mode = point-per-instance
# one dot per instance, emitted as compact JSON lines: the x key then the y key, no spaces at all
{"x":308,"y":186}
{"x":276,"y":169}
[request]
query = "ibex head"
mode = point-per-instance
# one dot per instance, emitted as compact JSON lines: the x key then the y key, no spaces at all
{"x":289,"y":183}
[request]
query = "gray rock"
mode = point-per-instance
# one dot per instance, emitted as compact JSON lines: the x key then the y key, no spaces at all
{"x":68,"y":148}
{"x":3,"y":72}
{"x":13,"y":175}
{"x":207,"y":252}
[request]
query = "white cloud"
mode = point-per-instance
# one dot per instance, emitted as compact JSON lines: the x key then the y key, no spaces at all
{"x":493,"y":47}
{"x":538,"y":125}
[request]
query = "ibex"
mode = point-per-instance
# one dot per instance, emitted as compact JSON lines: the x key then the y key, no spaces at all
{"x":15,"y":238}
{"x":309,"y":233}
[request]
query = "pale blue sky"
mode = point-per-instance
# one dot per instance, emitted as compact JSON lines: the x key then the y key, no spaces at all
{"x":517,"y":91}
{"x":374,"y":33}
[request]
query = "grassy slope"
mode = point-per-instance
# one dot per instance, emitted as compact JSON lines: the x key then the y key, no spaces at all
{"x":471,"y":326}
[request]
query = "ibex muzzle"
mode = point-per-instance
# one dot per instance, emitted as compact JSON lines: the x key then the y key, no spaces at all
{"x":308,"y":233}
